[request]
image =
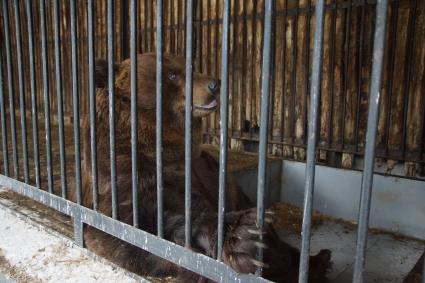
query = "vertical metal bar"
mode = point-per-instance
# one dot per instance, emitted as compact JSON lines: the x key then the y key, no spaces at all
{"x":188,"y":122}
{"x":58,"y":70}
{"x":224,"y":112}
{"x":264,"y":118}
{"x":111,"y":88}
{"x":311,"y":141}
{"x":75,"y":99}
{"x":10,"y":88}
{"x":159,"y":181}
{"x":33,"y":93}
{"x":367,"y":178}
{"x":134,"y":129}
{"x":92,"y":103}
{"x":3,"y":125}
{"x":21,"y":90}
{"x":78,"y":229}
{"x":46,"y":90}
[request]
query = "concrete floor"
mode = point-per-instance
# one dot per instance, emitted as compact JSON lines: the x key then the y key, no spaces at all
{"x":389,"y":259}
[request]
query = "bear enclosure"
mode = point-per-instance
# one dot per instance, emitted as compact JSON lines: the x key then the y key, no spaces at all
{"x":46,"y":43}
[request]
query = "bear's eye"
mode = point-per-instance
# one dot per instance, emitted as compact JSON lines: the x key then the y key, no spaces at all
{"x":172,"y":76}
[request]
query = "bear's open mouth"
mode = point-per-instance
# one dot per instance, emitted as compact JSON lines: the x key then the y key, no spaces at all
{"x":210,"y":106}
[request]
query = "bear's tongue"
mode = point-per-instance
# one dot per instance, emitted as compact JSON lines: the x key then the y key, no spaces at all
{"x":210,"y":105}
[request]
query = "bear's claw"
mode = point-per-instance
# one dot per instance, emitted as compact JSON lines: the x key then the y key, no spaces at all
{"x":256,"y":231}
{"x":259,"y":263}
{"x":260,"y":245}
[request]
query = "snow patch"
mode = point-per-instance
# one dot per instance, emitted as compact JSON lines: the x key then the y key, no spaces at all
{"x":48,"y":258}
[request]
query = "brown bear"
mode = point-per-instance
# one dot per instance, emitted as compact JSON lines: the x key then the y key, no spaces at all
{"x":205,"y":92}
{"x":241,"y":234}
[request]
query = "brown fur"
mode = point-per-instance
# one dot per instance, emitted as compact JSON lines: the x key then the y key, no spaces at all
{"x":240,"y":243}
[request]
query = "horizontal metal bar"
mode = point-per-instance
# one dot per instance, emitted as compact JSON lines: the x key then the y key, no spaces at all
{"x":312,"y":137}
{"x":172,"y":252}
{"x":372,"y":124}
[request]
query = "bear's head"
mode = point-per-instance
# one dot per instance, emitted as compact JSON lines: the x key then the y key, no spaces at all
{"x":205,"y":88}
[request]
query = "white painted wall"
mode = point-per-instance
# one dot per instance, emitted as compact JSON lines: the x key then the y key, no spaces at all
{"x":398,"y":204}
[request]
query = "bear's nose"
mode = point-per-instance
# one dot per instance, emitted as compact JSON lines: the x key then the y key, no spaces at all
{"x":214,"y":86}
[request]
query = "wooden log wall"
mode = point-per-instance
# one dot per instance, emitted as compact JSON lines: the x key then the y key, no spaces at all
{"x":346,"y":69}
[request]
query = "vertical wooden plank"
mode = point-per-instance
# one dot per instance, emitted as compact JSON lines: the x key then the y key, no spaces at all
{"x":396,"y":119}
{"x":416,"y":130}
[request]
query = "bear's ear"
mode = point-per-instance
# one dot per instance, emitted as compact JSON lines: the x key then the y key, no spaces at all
{"x":101,"y":73}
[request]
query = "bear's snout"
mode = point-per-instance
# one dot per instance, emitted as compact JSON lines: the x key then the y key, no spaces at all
{"x":214,"y":86}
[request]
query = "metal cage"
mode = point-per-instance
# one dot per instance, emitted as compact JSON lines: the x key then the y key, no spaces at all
{"x":133,"y":40}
